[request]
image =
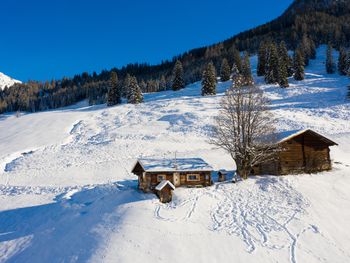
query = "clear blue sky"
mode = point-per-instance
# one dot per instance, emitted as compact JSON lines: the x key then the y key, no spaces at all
{"x":45,"y":39}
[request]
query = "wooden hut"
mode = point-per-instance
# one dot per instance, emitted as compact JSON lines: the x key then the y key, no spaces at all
{"x":180,"y":172}
{"x":304,"y":151}
{"x":222,"y":175}
{"x":164,"y":191}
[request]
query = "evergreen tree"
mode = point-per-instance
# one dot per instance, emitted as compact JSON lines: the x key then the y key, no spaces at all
{"x":329,"y":60}
{"x":237,"y":60}
{"x":271,"y":72}
{"x":342,"y":62}
{"x":209,"y":80}
{"x":262,"y":57}
{"x":283,"y":65}
{"x":225,"y":71}
{"x":298,"y":65}
{"x":283,"y":74}
{"x":135,"y":92}
{"x":246,"y":70}
{"x":235,"y":71}
{"x":126,"y":86}
{"x":162,"y":83}
{"x":113,"y":94}
{"x":178,"y":76}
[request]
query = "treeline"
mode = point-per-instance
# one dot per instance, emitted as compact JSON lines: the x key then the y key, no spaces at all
{"x":305,"y":25}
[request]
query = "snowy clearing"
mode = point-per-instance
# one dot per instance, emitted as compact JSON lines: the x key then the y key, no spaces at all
{"x":67,"y":194}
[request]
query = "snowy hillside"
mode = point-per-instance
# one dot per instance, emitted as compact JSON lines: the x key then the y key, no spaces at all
{"x":7,"y":81}
{"x":67,"y":194}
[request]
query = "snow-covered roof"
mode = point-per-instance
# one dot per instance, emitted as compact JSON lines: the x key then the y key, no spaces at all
{"x":163,"y":183}
{"x":172,"y":165}
{"x":287,"y":135}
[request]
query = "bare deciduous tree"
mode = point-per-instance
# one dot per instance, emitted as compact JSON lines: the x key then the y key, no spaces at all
{"x":245,"y":128}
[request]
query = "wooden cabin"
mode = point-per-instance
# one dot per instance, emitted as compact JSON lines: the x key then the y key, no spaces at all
{"x":164,"y":191}
{"x":191,"y":172}
{"x":222,"y":175}
{"x":303,"y":151}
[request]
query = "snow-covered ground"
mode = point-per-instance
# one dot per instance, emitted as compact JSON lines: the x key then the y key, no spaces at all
{"x":67,"y":194}
{"x":6,"y":81}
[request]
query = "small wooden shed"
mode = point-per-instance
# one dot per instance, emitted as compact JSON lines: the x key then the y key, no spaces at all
{"x":164,"y":191}
{"x":304,"y":151}
{"x":222,"y":175}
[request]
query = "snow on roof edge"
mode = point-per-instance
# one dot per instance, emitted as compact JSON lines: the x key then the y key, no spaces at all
{"x":163,"y":183}
{"x":297,"y":133}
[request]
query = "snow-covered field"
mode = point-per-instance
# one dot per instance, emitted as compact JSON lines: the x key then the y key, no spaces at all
{"x":67,"y":194}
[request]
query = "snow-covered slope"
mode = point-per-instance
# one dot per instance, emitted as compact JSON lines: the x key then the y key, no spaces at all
{"x":67,"y":194}
{"x":7,"y":81}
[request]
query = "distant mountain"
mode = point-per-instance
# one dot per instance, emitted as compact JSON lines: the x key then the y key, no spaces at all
{"x":7,"y":81}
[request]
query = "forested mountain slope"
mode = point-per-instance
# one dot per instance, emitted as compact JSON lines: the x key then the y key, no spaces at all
{"x":323,"y":21}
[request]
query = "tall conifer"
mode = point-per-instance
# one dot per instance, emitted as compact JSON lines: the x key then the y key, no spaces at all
{"x":262,"y":59}
{"x":178,"y":78}
{"x":342,"y":62}
{"x":225,"y":70}
{"x":246,"y":70}
{"x":135,"y":92}
{"x":271,"y":73}
{"x":298,"y":65}
{"x":209,"y":80}
{"x":113,"y":94}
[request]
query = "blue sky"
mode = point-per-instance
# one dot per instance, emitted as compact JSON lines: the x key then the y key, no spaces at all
{"x":46,"y":39}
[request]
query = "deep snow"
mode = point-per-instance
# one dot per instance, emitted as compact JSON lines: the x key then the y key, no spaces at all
{"x":67,"y":194}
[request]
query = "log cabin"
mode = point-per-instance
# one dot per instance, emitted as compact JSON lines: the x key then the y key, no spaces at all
{"x":304,"y":151}
{"x":191,"y":172}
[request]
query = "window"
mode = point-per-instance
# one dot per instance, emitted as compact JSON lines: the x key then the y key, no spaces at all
{"x":161,"y":177}
{"x":193,"y":177}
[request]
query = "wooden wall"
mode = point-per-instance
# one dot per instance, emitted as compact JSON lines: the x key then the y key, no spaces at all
{"x":152,"y":179}
{"x":303,"y":154}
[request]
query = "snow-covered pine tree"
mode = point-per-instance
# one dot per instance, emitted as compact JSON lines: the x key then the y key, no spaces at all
{"x":283,"y":65}
{"x":237,"y":60}
{"x":298,"y":65}
{"x":225,"y":71}
{"x":135,"y":92}
{"x":209,"y":80}
{"x":126,"y":86}
{"x":162,"y":83}
{"x":178,"y":78}
{"x":262,"y":57}
{"x":283,"y":74}
{"x":234,"y":72}
{"x":330,"y":67}
{"x":271,"y":73}
{"x":246,"y":71}
{"x":113,"y":94}
{"x":342,"y":62}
